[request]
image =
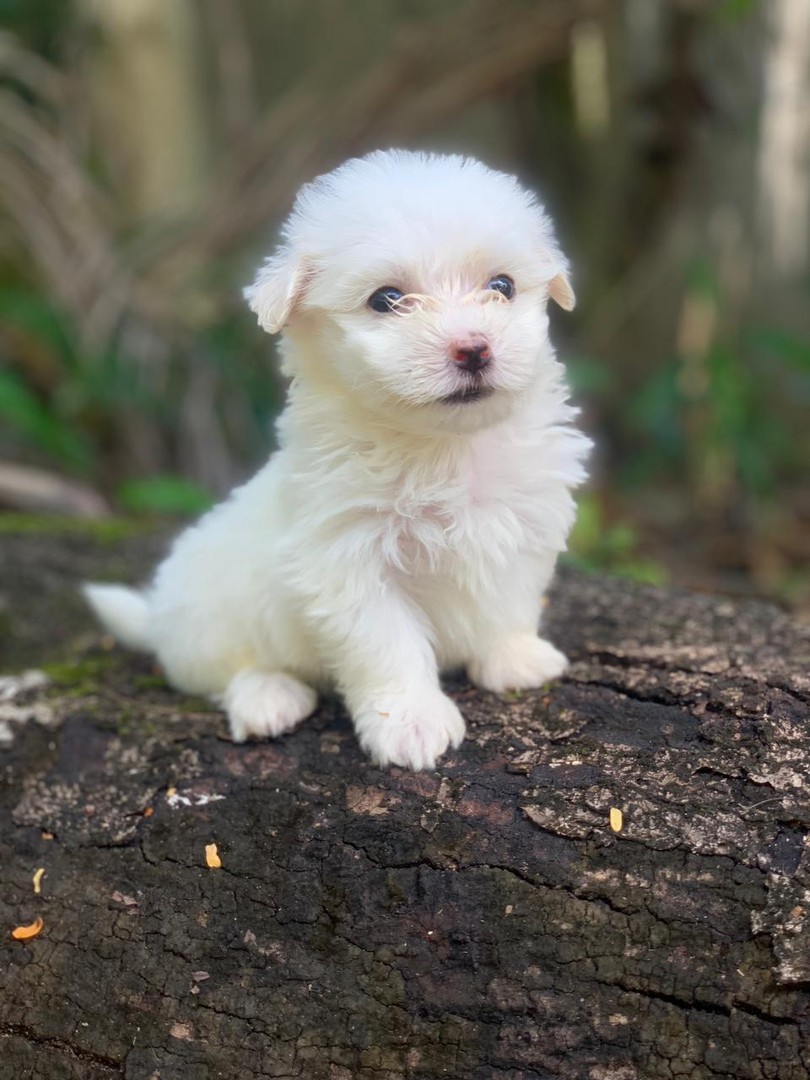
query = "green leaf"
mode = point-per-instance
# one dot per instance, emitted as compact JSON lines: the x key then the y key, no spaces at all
{"x":164,"y":495}
{"x":24,"y":412}
{"x":784,"y":345}
{"x":38,"y":318}
{"x":734,"y":10}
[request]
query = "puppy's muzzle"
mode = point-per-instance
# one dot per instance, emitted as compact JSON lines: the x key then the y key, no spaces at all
{"x":472,"y":357}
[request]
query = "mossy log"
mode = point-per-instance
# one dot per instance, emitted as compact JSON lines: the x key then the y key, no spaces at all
{"x":482,"y":921}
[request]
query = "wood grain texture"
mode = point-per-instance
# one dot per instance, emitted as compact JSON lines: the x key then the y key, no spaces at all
{"x":483,"y":921}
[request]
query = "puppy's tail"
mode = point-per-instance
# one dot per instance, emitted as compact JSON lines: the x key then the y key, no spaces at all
{"x":124,"y":612}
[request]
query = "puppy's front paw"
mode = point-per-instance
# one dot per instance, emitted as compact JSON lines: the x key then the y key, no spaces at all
{"x":412,"y":730}
{"x":521,"y":662}
{"x":266,"y":703}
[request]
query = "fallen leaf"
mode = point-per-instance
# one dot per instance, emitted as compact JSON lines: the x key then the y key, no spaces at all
{"x":212,"y":856}
{"x":616,"y":819}
{"x":37,"y":880}
{"x":23,"y":933}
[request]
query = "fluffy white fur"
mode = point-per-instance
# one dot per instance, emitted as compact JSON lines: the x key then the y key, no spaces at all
{"x":395,"y":533}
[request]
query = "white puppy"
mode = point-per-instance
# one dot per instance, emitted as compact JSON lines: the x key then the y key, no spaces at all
{"x":411,"y":520}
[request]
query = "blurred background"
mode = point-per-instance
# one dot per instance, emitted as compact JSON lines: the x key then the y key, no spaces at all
{"x":150,"y":148}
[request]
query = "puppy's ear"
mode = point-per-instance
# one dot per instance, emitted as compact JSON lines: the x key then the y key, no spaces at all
{"x":559,"y":289}
{"x":277,"y":290}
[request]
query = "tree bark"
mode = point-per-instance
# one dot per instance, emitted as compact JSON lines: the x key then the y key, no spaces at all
{"x":482,"y":921}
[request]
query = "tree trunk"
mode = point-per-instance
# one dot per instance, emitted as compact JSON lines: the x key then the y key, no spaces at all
{"x":482,"y":921}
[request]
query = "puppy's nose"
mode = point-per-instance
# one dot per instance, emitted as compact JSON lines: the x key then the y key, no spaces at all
{"x":472,"y":357}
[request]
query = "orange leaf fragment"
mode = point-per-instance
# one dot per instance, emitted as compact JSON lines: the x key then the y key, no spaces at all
{"x":23,"y":933}
{"x":212,"y":858}
{"x":148,"y":811}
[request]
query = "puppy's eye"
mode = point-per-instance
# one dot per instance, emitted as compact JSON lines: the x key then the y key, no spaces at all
{"x":502,"y":284}
{"x":384,"y":299}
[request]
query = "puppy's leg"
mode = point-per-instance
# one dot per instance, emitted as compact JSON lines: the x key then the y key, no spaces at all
{"x":517,"y":661}
{"x":511,"y":656}
{"x":266,"y":703}
{"x":379,"y":645}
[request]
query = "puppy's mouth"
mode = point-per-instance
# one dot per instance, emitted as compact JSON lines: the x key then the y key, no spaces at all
{"x":467,"y":394}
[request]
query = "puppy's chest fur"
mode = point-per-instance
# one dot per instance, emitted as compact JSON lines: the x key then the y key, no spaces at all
{"x":458,"y":511}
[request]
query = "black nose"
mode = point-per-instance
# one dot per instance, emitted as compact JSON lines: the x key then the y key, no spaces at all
{"x":472,"y":358}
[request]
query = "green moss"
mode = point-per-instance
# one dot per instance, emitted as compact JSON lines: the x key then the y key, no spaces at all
{"x":81,"y":676}
{"x":105,"y":530}
{"x":513,"y":695}
{"x":150,"y":682}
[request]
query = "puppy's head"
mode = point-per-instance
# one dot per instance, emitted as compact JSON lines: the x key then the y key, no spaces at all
{"x":415,"y":285}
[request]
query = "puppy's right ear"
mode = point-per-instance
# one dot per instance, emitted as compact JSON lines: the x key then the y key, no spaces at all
{"x":277,"y":290}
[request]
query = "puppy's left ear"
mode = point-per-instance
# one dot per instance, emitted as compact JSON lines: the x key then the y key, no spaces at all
{"x":559,"y":289}
{"x":278,"y":288}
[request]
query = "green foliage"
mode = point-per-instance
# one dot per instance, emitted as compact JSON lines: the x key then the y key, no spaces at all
{"x":67,"y":414}
{"x":654,"y":414}
{"x":40,"y":24}
{"x":110,"y":530}
{"x":40,"y":426}
{"x":597,"y":545}
{"x":589,"y":378}
{"x":748,"y":410}
{"x":56,"y":416}
{"x":788,"y":348}
{"x":164,"y":495}
{"x":31,"y":312}
{"x":735,"y":10}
